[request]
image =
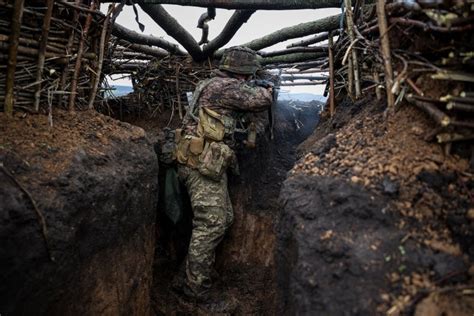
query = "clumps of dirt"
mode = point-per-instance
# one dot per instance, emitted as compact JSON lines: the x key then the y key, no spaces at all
{"x":429,"y":201}
{"x":53,"y":148}
{"x":78,"y":205}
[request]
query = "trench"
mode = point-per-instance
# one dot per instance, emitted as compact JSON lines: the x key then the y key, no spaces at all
{"x":245,"y":260}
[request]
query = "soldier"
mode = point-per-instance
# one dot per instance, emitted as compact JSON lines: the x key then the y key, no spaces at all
{"x":204,"y":153}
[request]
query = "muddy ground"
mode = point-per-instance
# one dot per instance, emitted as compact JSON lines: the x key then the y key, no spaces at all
{"x":376,"y":220}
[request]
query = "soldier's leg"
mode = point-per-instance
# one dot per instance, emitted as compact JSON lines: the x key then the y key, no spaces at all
{"x":209,"y":226}
{"x":210,"y":202}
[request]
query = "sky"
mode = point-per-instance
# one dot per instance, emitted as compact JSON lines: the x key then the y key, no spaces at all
{"x":260,"y":24}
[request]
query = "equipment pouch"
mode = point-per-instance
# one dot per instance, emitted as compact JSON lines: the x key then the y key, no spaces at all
{"x":166,"y":147}
{"x":215,"y":159}
{"x":182,"y":150}
{"x":210,"y":125}
{"x":196,"y":145}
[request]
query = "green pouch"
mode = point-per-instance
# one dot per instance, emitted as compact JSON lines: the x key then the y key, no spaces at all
{"x":215,"y":159}
{"x":173,"y":196}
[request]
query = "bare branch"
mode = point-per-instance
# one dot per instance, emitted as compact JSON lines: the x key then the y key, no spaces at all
{"x":316,"y":49}
{"x":303,"y":29}
{"x":292,"y":58}
{"x":235,"y":22}
{"x":248,"y":4}
{"x":137,"y":38}
{"x":173,"y":29}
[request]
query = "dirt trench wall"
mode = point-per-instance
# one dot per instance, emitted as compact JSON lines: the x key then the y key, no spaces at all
{"x":374,"y":219}
{"x":95,"y":182}
{"x":254,"y":193}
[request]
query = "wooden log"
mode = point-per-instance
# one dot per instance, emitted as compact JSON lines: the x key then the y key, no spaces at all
{"x":249,"y":4}
{"x":314,"y":39}
{"x":332,"y":97}
{"x":12,"y":53}
{"x":80,"y":51}
{"x":453,"y":75}
{"x":326,"y":24}
{"x":155,"y":52}
{"x":355,"y":61}
{"x":174,"y":29}
{"x":386,"y":54}
{"x":309,"y":83}
{"x":300,"y":77}
{"x":461,"y":99}
{"x":428,"y":107}
{"x":42,"y":51}
{"x":137,"y":38}
{"x":288,"y":51}
{"x":453,"y":137}
{"x":98,"y":73}
{"x":65,"y":70}
{"x":459,"y":106}
{"x":235,"y":22}
{"x":292,"y":58}
{"x":296,"y":64}
{"x":431,"y":27}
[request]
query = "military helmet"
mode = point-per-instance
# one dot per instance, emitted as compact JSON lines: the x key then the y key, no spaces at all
{"x":240,"y":60}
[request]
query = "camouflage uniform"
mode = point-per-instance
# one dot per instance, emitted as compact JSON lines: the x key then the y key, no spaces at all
{"x":210,"y":200}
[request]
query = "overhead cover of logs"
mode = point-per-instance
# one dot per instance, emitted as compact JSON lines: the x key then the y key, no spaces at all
{"x":371,"y":48}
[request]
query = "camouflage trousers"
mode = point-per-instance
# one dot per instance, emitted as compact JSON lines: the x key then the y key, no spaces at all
{"x":213,"y":215}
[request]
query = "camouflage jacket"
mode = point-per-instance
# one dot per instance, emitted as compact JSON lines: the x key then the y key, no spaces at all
{"x":230,"y":96}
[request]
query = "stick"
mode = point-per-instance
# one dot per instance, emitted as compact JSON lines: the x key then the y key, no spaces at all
{"x":378,"y":89}
{"x":180,"y":110}
{"x":77,"y":68}
{"x":355,"y":62}
{"x":385,"y":48}
{"x":101,"y":59}
{"x":69,"y":44}
{"x":332,"y":101}
{"x":14,"y":42}
{"x":431,"y":110}
{"x":42,"y":50}
{"x":40,"y":216}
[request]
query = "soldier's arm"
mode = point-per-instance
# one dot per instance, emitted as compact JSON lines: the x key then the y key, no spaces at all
{"x":241,"y":96}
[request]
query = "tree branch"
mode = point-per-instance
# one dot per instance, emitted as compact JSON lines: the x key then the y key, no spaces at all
{"x":155,"y":52}
{"x":249,"y":4}
{"x":303,"y":29}
{"x":173,"y":29}
{"x":137,"y":38}
{"x":313,"y":40}
{"x":233,"y":25}
{"x":292,"y":58}
{"x":315,"y":49}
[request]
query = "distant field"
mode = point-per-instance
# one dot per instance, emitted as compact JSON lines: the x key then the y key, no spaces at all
{"x":121,"y":90}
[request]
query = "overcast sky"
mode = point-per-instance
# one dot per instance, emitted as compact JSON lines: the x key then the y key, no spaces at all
{"x":260,"y":24}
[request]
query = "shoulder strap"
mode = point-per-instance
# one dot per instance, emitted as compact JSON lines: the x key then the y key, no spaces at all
{"x":192,"y":109}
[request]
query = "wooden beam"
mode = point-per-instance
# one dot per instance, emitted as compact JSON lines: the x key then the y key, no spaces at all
{"x":292,"y":58}
{"x":315,"y":49}
{"x":309,"y":83}
{"x":137,"y":38}
{"x":233,"y":25}
{"x":313,"y":39}
{"x":18,"y":7}
{"x":247,"y":4}
{"x":155,"y":52}
{"x":326,"y":24}
{"x":174,"y":29}
{"x":302,"y":77}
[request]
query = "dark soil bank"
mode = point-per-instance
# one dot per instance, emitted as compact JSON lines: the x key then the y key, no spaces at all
{"x":94,"y":180}
{"x":367,"y":220}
